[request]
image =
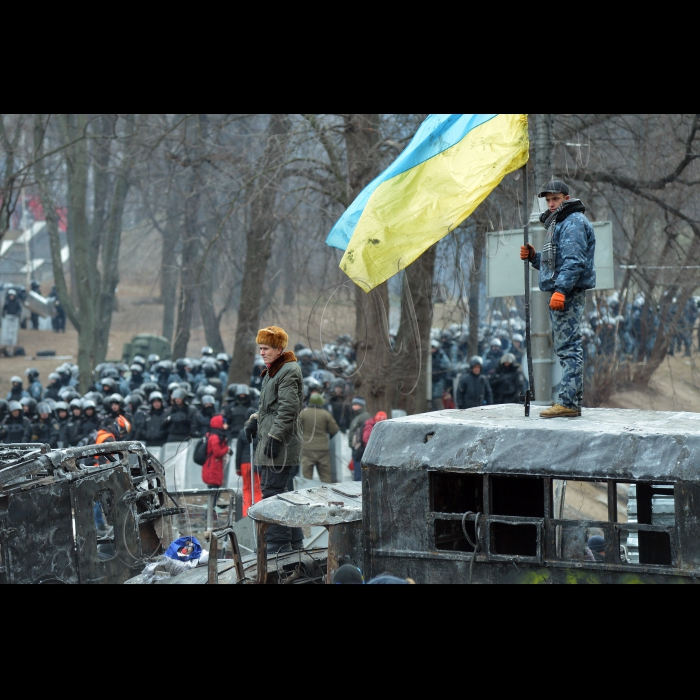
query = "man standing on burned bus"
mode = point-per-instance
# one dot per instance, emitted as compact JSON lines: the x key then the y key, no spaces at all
{"x":566,"y":270}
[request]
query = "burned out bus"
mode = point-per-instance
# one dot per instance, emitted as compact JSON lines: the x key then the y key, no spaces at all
{"x":486,"y":495}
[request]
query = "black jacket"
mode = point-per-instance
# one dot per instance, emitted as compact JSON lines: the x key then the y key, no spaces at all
{"x":154,"y":429}
{"x":236,"y":414}
{"x":12,"y":307}
{"x":89,"y":425}
{"x":342,"y":411}
{"x":508,"y":384}
{"x":42,"y":431}
{"x":473,"y":390}
{"x":13,"y":429}
{"x":242,"y":451}
{"x":202,"y":420}
{"x":180,"y":423}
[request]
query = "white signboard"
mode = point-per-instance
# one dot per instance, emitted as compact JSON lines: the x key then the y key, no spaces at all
{"x":505,"y":276}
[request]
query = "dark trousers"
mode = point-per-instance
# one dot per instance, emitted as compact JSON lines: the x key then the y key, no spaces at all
{"x":357,"y":473}
{"x":273,"y":481}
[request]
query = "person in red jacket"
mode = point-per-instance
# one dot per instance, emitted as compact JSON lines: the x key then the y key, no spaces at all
{"x":217,"y":448}
{"x":369,"y":426}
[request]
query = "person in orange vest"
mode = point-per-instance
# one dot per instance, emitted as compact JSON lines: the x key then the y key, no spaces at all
{"x":116,"y":430}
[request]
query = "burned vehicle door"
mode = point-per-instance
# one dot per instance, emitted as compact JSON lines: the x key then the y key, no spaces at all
{"x":103,"y":553}
{"x":93,"y":514}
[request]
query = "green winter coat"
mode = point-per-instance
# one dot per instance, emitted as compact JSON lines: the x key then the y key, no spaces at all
{"x":281,"y":399}
{"x":318,"y":425}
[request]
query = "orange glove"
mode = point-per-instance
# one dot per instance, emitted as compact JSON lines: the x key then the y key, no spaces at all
{"x":556,"y":303}
{"x":527,"y":252}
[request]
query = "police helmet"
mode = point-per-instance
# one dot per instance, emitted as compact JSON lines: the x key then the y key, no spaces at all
{"x":55,"y":377}
{"x":14,"y":406}
{"x":476,"y":360}
{"x":115,"y":398}
{"x":133,"y":400}
{"x":208,"y":400}
{"x":304,"y":352}
{"x":68,"y":393}
{"x":109,"y":372}
{"x":109,"y":383}
{"x":172,"y":386}
{"x":16,"y":380}
{"x":76,"y":403}
{"x":223,"y":357}
{"x":89,"y":403}
{"x":207,"y":350}
{"x":51,"y":403}
{"x":517,"y":337}
{"x":210,"y":369}
{"x":181,"y":363}
{"x":148,"y":387}
{"x":121,"y":367}
{"x":155,"y":396}
{"x":152,"y":358}
{"x":32,"y":373}
{"x":242,"y":390}
{"x":136,"y":368}
{"x":140,"y":359}
{"x":61,"y":406}
{"x":508,"y":357}
{"x":11,"y":293}
{"x":3,"y":406}
{"x":179,"y":394}
{"x":231,"y":390}
{"x":26,"y":401}
{"x":43,"y":408}
{"x":495,"y":342}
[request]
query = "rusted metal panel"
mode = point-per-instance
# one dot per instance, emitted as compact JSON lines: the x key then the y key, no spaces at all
{"x":39,"y":543}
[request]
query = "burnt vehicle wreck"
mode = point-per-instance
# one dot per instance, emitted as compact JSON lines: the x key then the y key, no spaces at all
{"x":486,"y":495}
{"x":94,"y":514}
{"x":335,"y":507}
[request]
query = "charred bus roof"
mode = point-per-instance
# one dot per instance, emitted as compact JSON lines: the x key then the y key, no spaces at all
{"x":602,"y":443}
{"x":486,"y":495}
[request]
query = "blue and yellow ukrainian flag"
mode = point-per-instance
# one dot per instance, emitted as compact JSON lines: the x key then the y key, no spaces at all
{"x":451,"y":165}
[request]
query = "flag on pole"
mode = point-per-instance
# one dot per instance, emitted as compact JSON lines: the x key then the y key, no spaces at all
{"x":451,"y":165}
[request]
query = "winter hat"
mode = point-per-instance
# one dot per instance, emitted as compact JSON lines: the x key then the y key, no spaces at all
{"x":596,"y":543}
{"x":348,"y":573}
{"x":217,"y":422}
{"x":273,"y":336}
{"x":316,"y":400}
{"x":380,"y":416}
{"x":359,"y":401}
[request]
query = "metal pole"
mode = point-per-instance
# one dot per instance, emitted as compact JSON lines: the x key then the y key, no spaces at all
{"x":530,"y":393}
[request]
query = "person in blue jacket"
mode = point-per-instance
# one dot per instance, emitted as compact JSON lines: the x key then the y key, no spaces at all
{"x":567,"y":270}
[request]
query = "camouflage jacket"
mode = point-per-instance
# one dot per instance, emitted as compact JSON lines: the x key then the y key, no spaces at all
{"x":575,"y":249}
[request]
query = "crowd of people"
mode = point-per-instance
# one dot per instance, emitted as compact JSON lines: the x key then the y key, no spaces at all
{"x":621,"y":330}
{"x":159,"y":401}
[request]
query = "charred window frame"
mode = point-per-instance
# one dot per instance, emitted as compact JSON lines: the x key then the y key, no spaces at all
{"x":517,"y":521}
{"x":658,"y":544}
{"x":504,"y":515}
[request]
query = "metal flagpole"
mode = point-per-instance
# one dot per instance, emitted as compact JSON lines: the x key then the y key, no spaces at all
{"x":530,"y":393}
